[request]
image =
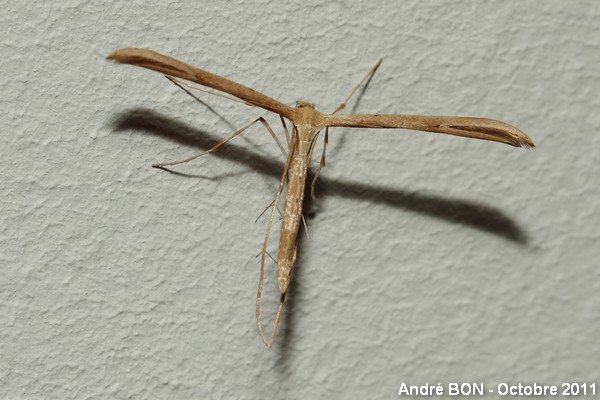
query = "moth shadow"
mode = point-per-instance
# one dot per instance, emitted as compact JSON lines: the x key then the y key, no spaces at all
{"x":467,"y":213}
{"x":474,"y":215}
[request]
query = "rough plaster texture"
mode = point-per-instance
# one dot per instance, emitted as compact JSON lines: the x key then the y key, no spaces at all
{"x":431,"y":258}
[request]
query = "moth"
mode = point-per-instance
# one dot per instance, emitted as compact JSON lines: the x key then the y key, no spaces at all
{"x":307,"y":123}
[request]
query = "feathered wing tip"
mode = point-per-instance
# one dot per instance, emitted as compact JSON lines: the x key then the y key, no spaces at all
{"x":487,"y":129}
{"x":151,"y":60}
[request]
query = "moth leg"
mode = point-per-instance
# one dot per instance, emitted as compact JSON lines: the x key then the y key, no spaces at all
{"x":265,"y":210}
{"x":184,"y":86}
{"x":274,"y":136}
{"x":321,"y":165}
{"x":305,"y":227}
{"x":285,"y":130}
{"x":364,"y":81}
{"x":287,"y":137}
{"x":218,"y":145}
{"x":211,"y":150}
{"x":268,"y":254}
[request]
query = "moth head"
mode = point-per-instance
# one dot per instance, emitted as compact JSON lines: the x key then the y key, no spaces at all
{"x":301,"y":103}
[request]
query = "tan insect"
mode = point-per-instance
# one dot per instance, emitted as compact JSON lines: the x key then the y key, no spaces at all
{"x":307,"y":122}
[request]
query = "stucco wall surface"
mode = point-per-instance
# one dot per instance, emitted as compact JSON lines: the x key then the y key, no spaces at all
{"x":431,"y":258}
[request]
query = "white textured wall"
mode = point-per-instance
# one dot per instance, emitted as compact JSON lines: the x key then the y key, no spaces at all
{"x":431,"y":259}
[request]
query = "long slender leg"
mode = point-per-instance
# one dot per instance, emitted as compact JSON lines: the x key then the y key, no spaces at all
{"x":287,"y":137}
{"x":321,"y":165}
{"x":186,"y":89}
{"x":184,"y":86}
{"x":285,"y":130}
{"x":218,"y":145}
{"x":273,"y":135}
{"x":268,"y":254}
{"x":211,"y":150}
{"x":265,"y":210}
{"x":305,"y":227}
{"x":365,"y":81}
